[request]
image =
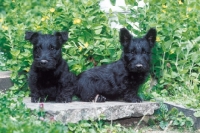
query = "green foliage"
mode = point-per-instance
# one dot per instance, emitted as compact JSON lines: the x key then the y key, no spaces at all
{"x":176,"y":57}
{"x":171,"y":118}
{"x":197,"y":113}
{"x":91,"y":40}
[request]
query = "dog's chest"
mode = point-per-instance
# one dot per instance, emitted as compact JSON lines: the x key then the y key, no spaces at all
{"x":47,"y":81}
{"x":133,"y":80}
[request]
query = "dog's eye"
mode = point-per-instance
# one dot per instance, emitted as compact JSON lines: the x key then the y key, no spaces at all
{"x":133,"y":52}
{"x":144,"y":52}
{"x":37,"y":47}
{"x":51,"y":47}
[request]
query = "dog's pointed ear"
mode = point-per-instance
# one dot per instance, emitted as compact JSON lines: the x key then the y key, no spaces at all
{"x":31,"y":36}
{"x":124,"y":36}
{"x":62,"y":36}
{"x":151,"y":36}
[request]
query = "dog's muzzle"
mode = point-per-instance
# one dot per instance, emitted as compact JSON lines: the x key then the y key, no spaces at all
{"x":43,"y":62}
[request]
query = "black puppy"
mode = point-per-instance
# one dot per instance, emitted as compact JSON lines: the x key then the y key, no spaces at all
{"x":49,"y":76}
{"x":122,"y":78}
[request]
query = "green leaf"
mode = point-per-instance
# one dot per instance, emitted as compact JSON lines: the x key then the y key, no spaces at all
{"x":15,"y":52}
{"x":105,"y":61}
{"x":98,"y":31}
{"x":113,"y":2}
{"x":163,"y":125}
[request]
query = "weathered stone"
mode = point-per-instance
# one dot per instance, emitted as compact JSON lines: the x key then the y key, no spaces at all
{"x":5,"y":82}
{"x":76,"y":111}
{"x":187,"y":112}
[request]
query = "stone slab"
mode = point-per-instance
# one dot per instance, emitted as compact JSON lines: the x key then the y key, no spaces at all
{"x":76,"y":111}
{"x":187,"y":112}
{"x":5,"y":82}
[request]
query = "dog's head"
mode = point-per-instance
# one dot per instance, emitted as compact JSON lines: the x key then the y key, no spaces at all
{"x":46,"y":48}
{"x":137,"y":51}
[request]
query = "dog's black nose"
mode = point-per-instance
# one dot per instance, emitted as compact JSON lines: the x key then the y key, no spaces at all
{"x":43,"y":62}
{"x":139,"y":66}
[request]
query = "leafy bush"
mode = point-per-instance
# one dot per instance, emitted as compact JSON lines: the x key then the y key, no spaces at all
{"x":91,"y":40}
{"x":171,"y":118}
{"x":176,"y":57}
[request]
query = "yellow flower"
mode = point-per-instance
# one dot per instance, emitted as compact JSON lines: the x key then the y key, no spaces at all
{"x":1,"y":20}
{"x":76,"y":21}
{"x":37,"y":27}
{"x":43,"y":19}
{"x":52,"y":10}
{"x":46,"y":17}
{"x":157,"y":39}
{"x":189,"y":9}
{"x":86,"y":44}
{"x":164,"y":6}
{"x":5,"y":27}
{"x":180,"y":2}
{"x":187,"y":16}
{"x":164,"y":11}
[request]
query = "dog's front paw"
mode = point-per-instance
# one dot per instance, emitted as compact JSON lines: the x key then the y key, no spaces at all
{"x":63,"y":100}
{"x":99,"y":98}
{"x":36,"y":100}
{"x":136,"y":100}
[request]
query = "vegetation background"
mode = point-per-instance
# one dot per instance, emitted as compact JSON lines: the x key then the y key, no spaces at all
{"x":175,"y":70}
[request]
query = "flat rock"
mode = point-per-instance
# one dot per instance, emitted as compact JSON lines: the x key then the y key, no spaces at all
{"x":5,"y":82}
{"x":76,"y":111}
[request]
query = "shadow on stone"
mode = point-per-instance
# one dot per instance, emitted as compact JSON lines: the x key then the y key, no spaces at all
{"x":5,"y":82}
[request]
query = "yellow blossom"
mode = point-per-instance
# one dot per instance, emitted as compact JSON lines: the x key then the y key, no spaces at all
{"x":157,"y":39}
{"x":164,"y":11}
{"x":164,"y":6}
{"x":46,"y":17}
{"x":52,"y":9}
{"x":37,"y":27}
{"x":86,"y":44}
{"x":180,"y":2}
{"x":187,"y":16}
{"x":77,"y":21}
{"x":5,"y":27}
{"x":1,"y":20}
{"x":43,"y":19}
{"x":189,"y":9}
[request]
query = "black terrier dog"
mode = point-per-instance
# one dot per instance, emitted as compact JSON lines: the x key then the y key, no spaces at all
{"x":121,"y":79}
{"x":49,"y":76}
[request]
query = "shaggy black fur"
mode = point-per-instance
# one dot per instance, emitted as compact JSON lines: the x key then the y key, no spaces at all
{"x":49,"y":76}
{"x":122,"y":78}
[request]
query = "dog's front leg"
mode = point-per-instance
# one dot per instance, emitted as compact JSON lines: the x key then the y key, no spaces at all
{"x":35,"y":94}
{"x":65,"y":95}
{"x":131,"y":96}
